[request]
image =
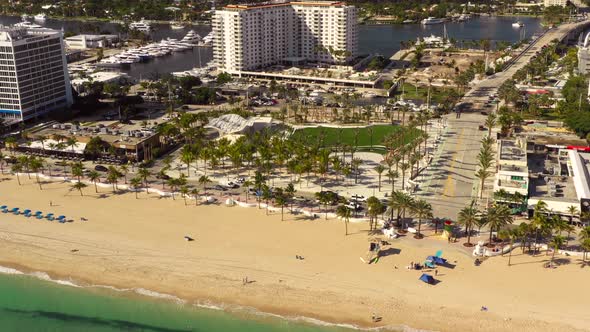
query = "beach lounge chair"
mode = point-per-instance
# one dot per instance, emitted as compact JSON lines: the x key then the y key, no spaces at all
{"x":14,"y":210}
{"x":27,"y":213}
{"x":50,"y":217}
{"x":4,"y":208}
{"x":61,"y":219}
{"x":38,"y":215}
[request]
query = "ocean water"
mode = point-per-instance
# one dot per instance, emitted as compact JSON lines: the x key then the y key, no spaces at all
{"x":30,"y":304}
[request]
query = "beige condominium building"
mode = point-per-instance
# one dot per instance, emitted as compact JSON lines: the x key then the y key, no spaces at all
{"x":251,"y":37}
{"x":33,"y":73}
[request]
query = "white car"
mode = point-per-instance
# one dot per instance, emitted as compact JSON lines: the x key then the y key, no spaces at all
{"x":359,"y":198}
{"x":353,"y":206}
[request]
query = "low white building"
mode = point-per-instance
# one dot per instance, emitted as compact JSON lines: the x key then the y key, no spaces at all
{"x":512,"y":173}
{"x":102,"y":77}
{"x":82,"y":42}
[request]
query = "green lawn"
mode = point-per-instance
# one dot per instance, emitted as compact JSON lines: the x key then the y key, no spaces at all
{"x":439,"y":94}
{"x":346,"y":136}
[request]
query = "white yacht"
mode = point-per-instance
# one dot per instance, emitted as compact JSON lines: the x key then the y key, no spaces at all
{"x":207,"y":40}
{"x":517,"y":24}
{"x":463,"y":17}
{"x":176,"y":25}
{"x":142,"y":26}
{"x":27,"y":25}
{"x":192,"y":38}
{"x":40,"y":17}
{"x":432,"y":20}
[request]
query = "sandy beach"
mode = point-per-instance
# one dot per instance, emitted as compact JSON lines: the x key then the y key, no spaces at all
{"x":138,"y":243}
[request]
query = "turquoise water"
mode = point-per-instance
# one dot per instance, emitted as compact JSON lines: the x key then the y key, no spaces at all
{"x":29,"y":304}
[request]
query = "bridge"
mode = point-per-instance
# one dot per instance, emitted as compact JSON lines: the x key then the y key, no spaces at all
{"x":449,"y":183}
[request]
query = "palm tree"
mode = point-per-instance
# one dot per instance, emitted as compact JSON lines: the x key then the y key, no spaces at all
{"x":113,"y":176}
{"x":586,"y":247}
{"x":281,"y":200}
{"x":79,"y":186}
{"x":584,"y":237}
{"x":496,"y":217}
{"x":344,"y":213}
{"x":173,"y":184}
{"x":71,"y":142}
{"x":36,"y":165}
{"x":468,"y":217}
{"x":482,"y":175}
{"x":400,"y":201}
{"x":266,"y":195}
{"x":94,"y":176}
{"x":490,"y":123}
{"x":124,"y":169}
{"x":203,"y":180}
{"x":556,"y":243}
{"x":247,"y":184}
{"x":374,"y":209}
{"x":195,"y":194}
{"x":380,"y":169}
{"x":184,"y":192}
{"x":573,"y":211}
{"x":136,"y":184}
{"x":512,"y":235}
{"x":290,"y":193}
{"x":17,"y":168}
{"x":422,"y":210}
{"x":77,"y":170}
{"x":144,"y":174}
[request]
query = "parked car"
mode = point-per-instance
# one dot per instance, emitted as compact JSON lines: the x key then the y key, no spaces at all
{"x":482,"y":128}
{"x":162,"y":176}
{"x":359,"y":198}
{"x":219,"y":187}
{"x":100,"y":168}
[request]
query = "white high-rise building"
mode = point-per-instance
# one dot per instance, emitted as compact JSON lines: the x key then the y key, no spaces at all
{"x":561,"y":3}
{"x":250,"y":37}
{"x":33,"y":73}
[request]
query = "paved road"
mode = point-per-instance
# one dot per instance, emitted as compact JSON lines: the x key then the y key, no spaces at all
{"x":449,"y":184}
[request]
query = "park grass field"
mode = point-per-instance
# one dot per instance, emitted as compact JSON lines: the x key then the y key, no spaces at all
{"x":339,"y":136}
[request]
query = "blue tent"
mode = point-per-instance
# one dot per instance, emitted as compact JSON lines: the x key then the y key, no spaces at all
{"x":437,"y":260}
{"x":427,"y":278}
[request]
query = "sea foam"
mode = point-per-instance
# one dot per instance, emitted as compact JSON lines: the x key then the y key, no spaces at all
{"x":207,"y":305}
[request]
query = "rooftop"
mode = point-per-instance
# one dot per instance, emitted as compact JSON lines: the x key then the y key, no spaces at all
{"x":555,"y":188}
{"x":279,"y":3}
{"x":8,"y":34}
{"x":512,"y":151}
{"x":115,"y":133}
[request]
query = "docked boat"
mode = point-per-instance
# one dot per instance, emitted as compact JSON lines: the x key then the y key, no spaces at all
{"x":40,"y":17}
{"x":432,"y":20}
{"x":192,"y":38}
{"x":27,"y":25}
{"x":141,"y":26}
{"x":207,"y":40}
{"x":463,"y":17}
{"x":176,"y":26}
{"x":517,"y":24}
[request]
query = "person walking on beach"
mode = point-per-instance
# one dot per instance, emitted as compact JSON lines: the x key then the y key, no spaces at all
{"x":435,"y":272}
{"x":50,"y":203}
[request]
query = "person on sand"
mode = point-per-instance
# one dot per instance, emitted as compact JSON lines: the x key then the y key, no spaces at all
{"x":435,"y":272}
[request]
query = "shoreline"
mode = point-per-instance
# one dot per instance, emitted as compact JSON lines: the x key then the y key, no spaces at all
{"x":137,"y":243}
{"x":14,"y":269}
